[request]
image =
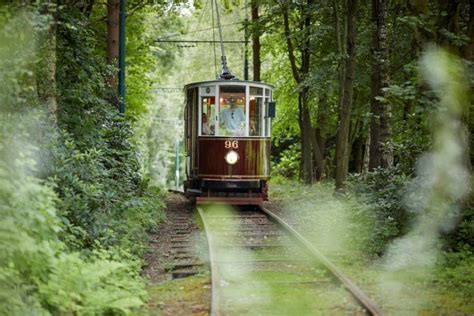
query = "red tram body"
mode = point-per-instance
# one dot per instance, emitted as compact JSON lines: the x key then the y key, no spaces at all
{"x":228,"y":141}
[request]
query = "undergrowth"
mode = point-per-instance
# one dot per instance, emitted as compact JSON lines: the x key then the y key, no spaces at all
{"x":74,"y":206}
{"x":356,"y":228}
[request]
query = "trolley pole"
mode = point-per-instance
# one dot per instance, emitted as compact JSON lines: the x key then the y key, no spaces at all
{"x":121,"y":83}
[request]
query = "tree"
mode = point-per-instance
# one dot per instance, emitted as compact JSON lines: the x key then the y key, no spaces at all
{"x":255,"y":42}
{"x":380,"y":129}
{"x":342,"y":140}
{"x":311,"y":139}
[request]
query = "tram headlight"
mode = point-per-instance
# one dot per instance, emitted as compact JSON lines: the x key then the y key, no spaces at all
{"x":232,"y":157}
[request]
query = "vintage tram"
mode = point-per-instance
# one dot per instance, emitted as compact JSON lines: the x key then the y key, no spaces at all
{"x":228,"y":141}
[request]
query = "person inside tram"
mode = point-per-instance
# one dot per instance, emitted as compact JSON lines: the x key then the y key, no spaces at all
{"x":252,"y":127}
{"x":206,"y":130}
{"x":234,"y":119}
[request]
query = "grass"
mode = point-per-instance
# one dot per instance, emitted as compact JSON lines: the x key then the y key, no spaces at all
{"x":188,"y":296}
{"x":339,"y":227}
{"x":285,"y":293}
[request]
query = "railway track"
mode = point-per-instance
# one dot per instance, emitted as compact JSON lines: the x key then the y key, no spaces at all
{"x":261,"y":265}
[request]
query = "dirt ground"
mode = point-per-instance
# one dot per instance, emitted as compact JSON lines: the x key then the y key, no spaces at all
{"x":186,"y":296}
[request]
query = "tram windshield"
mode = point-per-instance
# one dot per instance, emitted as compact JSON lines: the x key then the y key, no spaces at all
{"x":232,"y":111}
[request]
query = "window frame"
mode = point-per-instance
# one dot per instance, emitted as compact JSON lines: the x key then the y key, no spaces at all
{"x":266,"y":96}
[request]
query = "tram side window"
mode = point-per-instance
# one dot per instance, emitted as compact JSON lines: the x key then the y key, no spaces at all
{"x":268,"y":120}
{"x":255,"y":116}
{"x":232,"y":111}
{"x":208,"y":116}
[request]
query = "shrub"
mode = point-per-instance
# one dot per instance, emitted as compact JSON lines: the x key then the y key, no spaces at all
{"x":288,"y":164}
{"x":37,"y":271}
{"x":73,"y":216}
{"x":382,"y":191}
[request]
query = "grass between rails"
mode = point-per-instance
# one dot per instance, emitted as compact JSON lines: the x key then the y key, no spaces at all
{"x":345,"y":228}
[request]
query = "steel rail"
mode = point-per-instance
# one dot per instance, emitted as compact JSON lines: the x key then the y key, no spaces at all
{"x":214,"y":269}
{"x":358,"y":294}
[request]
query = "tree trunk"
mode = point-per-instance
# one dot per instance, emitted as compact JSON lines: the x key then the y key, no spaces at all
{"x":358,"y":154}
{"x":46,"y":68}
{"x":340,"y":36}
{"x":255,"y":42}
{"x":113,"y":12}
{"x":306,"y":139}
{"x":320,"y":138}
{"x":317,"y":154}
{"x":380,"y":128}
{"x":340,"y":50}
{"x":342,"y":141}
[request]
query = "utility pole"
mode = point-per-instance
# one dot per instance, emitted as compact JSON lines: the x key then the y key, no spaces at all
{"x":121,"y":83}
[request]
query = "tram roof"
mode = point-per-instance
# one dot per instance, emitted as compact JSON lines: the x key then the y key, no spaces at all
{"x":224,"y":82}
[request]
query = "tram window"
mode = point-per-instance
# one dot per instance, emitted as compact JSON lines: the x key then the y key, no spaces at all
{"x":256,"y":116}
{"x":256,"y":91}
{"x":208,"y":115}
{"x":232,"y":111}
{"x":268,"y":120}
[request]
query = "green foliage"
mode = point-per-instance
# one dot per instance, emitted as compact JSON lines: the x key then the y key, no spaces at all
{"x":338,"y":226}
{"x":411,"y":134}
{"x":17,"y":56}
{"x":97,"y":185}
{"x":74,"y":215}
{"x":38,"y":272}
{"x":93,"y":162}
{"x":93,"y":287}
{"x":452,"y":273}
{"x":461,"y":239}
{"x":382,"y":191}
{"x":287,"y":164}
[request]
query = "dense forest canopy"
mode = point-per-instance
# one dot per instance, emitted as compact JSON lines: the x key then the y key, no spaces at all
{"x":374,"y":99}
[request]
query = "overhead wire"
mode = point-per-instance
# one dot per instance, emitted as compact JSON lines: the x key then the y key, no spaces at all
{"x":197,"y":31}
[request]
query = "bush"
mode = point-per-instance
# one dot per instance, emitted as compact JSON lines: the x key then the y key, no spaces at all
{"x":382,"y":191}
{"x":94,"y":287}
{"x":38,"y":273}
{"x":288,"y":164}
{"x":74,"y":215}
{"x":454,"y":271}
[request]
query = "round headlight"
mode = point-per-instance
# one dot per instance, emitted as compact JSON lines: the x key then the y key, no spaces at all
{"x":232,"y":157}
